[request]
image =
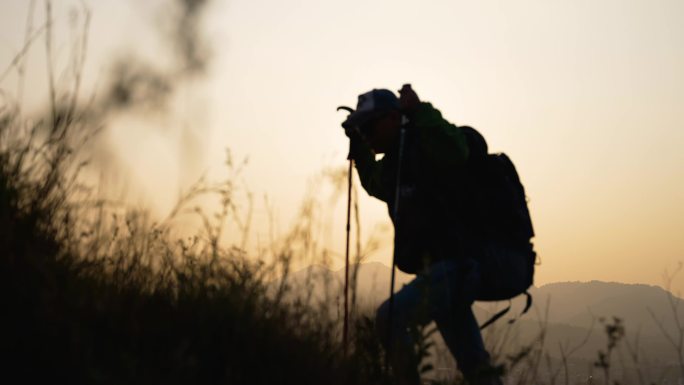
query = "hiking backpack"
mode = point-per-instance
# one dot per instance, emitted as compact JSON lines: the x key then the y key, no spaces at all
{"x":500,"y":220}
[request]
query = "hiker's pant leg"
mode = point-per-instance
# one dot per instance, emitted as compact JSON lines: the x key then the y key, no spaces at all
{"x":454,"y":284}
{"x":409,"y":308}
{"x":461,"y":334}
{"x":444,"y":294}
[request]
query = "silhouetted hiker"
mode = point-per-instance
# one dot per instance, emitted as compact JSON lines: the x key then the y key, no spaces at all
{"x":434,"y":236}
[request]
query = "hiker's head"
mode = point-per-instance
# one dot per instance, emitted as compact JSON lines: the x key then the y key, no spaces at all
{"x":377,"y":118}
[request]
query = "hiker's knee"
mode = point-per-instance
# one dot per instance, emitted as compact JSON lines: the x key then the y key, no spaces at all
{"x":394,"y":324}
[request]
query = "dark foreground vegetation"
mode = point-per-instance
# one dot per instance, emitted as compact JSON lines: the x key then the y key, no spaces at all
{"x":95,"y":298}
{"x":94,"y":293}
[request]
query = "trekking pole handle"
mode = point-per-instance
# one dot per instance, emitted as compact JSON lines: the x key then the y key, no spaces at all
{"x":350,"y":111}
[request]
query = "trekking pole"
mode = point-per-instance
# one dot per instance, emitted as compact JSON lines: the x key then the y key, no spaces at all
{"x":395,"y":211}
{"x":345,"y":329}
{"x":345,"y":333}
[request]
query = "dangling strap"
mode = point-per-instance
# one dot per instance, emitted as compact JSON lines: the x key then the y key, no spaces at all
{"x":528,"y":302}
{"x":528,"y":305}
{"x":497,"y":316}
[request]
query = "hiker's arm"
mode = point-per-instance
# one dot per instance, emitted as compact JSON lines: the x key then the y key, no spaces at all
{"x":369,"y":169}
{"x":442,"y":143}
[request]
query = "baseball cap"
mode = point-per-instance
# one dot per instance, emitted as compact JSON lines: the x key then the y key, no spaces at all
{"x":370,"y":105}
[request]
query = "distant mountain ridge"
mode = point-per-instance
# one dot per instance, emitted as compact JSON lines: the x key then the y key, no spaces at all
{"x":577,"y":303}
{"x":575,"y":309}
{"x":571,"y":303}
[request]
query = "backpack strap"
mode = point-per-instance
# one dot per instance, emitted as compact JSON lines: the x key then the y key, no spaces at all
{"x":528,"y":305}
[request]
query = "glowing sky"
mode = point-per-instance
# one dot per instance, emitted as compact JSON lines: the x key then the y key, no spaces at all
{"x":585,"y":96}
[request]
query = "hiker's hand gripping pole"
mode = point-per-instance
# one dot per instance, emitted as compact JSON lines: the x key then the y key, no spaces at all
{"x":345,"y":330}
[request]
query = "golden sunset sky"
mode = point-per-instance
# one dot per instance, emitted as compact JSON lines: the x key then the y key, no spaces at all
{"x":586,"y":97}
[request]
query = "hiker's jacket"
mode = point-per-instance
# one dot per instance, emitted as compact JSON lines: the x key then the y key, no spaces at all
{"x":428,"y":227}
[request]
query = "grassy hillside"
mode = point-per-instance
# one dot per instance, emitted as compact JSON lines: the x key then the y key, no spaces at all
{"x":96,"y":293}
